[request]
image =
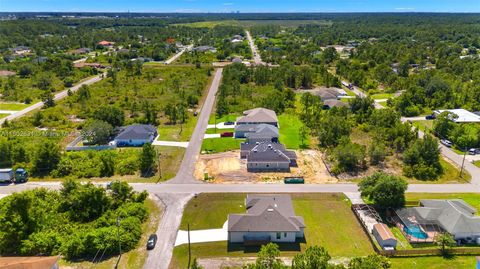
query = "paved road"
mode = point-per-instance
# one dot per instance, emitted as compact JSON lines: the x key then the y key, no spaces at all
{"x":453,"y":156}
{"x":173,"y":205}
{"x":187,"y":167}
{"x":257,"y":58}
{"x":176,"y":56}
{"x":57,"y":97}
{"x":194,"y":188}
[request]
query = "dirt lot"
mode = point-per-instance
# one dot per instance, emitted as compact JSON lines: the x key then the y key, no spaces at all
{"x":228,"y":168}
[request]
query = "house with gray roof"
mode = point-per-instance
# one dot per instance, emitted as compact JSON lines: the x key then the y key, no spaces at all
{"x":267,"y":157}
{"x":269,"y":218}
{"x":258,"y":116}
{"x":136,"y":135}
{"x":257,"y":132}
{"x":453,"y":216}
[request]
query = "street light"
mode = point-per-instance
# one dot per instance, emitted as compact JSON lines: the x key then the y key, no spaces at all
{"x":119,"y":242}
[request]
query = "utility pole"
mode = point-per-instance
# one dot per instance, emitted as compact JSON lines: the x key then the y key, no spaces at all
{"x":119,"y":243}
{"x":189,"y":249}
{"x":463,"y":162}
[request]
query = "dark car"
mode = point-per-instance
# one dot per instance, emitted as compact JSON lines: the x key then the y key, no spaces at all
{"x":152,"y":241}
{"x":429,"y":117}
{"x":226,"y":134}
{"x":229,"y":123}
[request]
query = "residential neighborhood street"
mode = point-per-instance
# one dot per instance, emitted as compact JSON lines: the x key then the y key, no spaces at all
{"x":257,"y":59}
{"x":185,"y":172}
{"x":59,"y":96}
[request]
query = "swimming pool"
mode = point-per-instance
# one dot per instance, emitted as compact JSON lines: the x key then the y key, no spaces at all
{"x":415,"y":231}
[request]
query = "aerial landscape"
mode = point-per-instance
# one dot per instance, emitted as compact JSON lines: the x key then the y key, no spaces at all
{"x":255,"y":135}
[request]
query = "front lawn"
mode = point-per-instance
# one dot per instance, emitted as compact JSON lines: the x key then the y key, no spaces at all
{"x":290,"y":126}
{"x":381,"y":95}
{"x":477,"y":163}
{"x":423,"y":125}
{"x":3,"y":116}
{"x":223,"y":144}
{"x":328,"y":217}
{"x":12,"y":106}
{"x":218,"y":131}
{"x":177,"y":132}
{"x":229,"y":117}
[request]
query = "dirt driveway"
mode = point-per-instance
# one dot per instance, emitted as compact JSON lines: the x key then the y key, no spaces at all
{"x":227,"y":167}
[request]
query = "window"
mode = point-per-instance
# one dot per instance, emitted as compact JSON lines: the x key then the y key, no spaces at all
{"x":279,"y":235}
{"x":284,"y":234}
{"x":268,"y":165}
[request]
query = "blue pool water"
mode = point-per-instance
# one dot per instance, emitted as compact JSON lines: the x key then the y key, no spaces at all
{"x":415,"y":231}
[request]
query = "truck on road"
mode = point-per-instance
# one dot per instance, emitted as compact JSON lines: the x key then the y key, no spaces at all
{"x":9,"y":175}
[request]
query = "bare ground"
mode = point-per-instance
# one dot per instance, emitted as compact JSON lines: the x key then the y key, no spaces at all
{"x":227,"y":167}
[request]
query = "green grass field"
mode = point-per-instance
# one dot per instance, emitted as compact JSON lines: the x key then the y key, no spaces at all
{"x":177,"y":132}
{"x":290,"y":131}
{"x":250,"y":23}
{"x":218,"y":131}
{"x":12,"y":106}
{"x":229,"y":117}
{"x":329,"y":220}
{"x":215,"y":145}
{"x":456,"y":262}
{"x":381,"y":95}
{"x":476,"y":163}
{"x":133,"y":259}
{"x":423,"y":125}
{"x":3,"y":116}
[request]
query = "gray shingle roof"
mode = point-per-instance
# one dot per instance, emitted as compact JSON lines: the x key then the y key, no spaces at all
{"x":266,"y":213}
{"x":334,"y":103}
{"x":263,"y":131}
{"x":137,"y":132}
{"x":258,"y":115}
{"x":454,"y":216}
{"x":270,"y":152}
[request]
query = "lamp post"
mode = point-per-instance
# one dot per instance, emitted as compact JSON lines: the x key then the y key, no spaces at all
{"x":119,"y":242}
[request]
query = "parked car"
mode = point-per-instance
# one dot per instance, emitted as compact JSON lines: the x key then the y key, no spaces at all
{"x":195,"y":113}
{"x":229,"y":123}
{"x":473,"y":151}
{"x":446,"y":142}
{"x":226,"y":134}
{"x":152,"y":241}
{"x":429,"y":117}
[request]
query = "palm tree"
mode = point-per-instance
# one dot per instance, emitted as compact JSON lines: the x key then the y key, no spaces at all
{"x":444,"y":240}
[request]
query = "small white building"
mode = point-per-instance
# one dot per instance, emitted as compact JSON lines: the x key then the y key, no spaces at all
{"x":269,"y":218}
{"x":384,"y":236}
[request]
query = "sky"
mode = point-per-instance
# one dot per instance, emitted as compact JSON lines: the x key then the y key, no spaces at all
{"x":242,"y":5}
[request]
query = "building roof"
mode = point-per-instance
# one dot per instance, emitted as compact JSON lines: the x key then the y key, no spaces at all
{"x":384,"y":232}
{"x":106,"y":43}
{"x":28,"y":262}
{"x":270,"y":153}
{"x":262,"y":132}
{"x":327,"y":93}
{"x":334,"y":103}
{"x":258,"y":115}
{"x":463,"y":116}
{"x":454,"y":216}
{"x":137,"y":132}
{"x":266,"y":213}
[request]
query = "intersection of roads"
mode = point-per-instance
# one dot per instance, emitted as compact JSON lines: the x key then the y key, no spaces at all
{"x":174,"y":194}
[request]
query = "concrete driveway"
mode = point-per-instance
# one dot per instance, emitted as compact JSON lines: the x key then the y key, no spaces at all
{"x":203,"y":236}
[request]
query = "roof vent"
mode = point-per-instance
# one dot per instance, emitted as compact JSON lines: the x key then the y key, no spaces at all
{"x":275,"y":205}
{"x":270,"y":210}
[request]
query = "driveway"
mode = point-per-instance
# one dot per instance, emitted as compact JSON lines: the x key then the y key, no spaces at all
{"x":173,"y":205}
{"x":170,"y":143}
{"x":206,"y":136}
{"x":203,"y":236}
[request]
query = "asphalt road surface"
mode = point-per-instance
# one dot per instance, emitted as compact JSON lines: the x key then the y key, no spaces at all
{"x":187,"y":167}
{"x":257,"y":59}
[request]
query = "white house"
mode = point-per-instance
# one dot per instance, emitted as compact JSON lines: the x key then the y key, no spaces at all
{"x":136,"y":135}
{"x":269,"y":218}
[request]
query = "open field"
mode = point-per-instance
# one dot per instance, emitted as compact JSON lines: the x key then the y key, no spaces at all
{"x":249,"y":23}
{"x":133,"y":259}
{"x":476,"y":163}
{"x":177,"y":132}
{"x":290,"y":126}
{"x":3,"y":115}
{"x":457,"y":262}
{"x":423,"y":125}
{"x":381,"y":95}
{"x":218,"y":131}
{"x":12,"y":106}
{"x":229,"y":117}
{"x":329,"y":220}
